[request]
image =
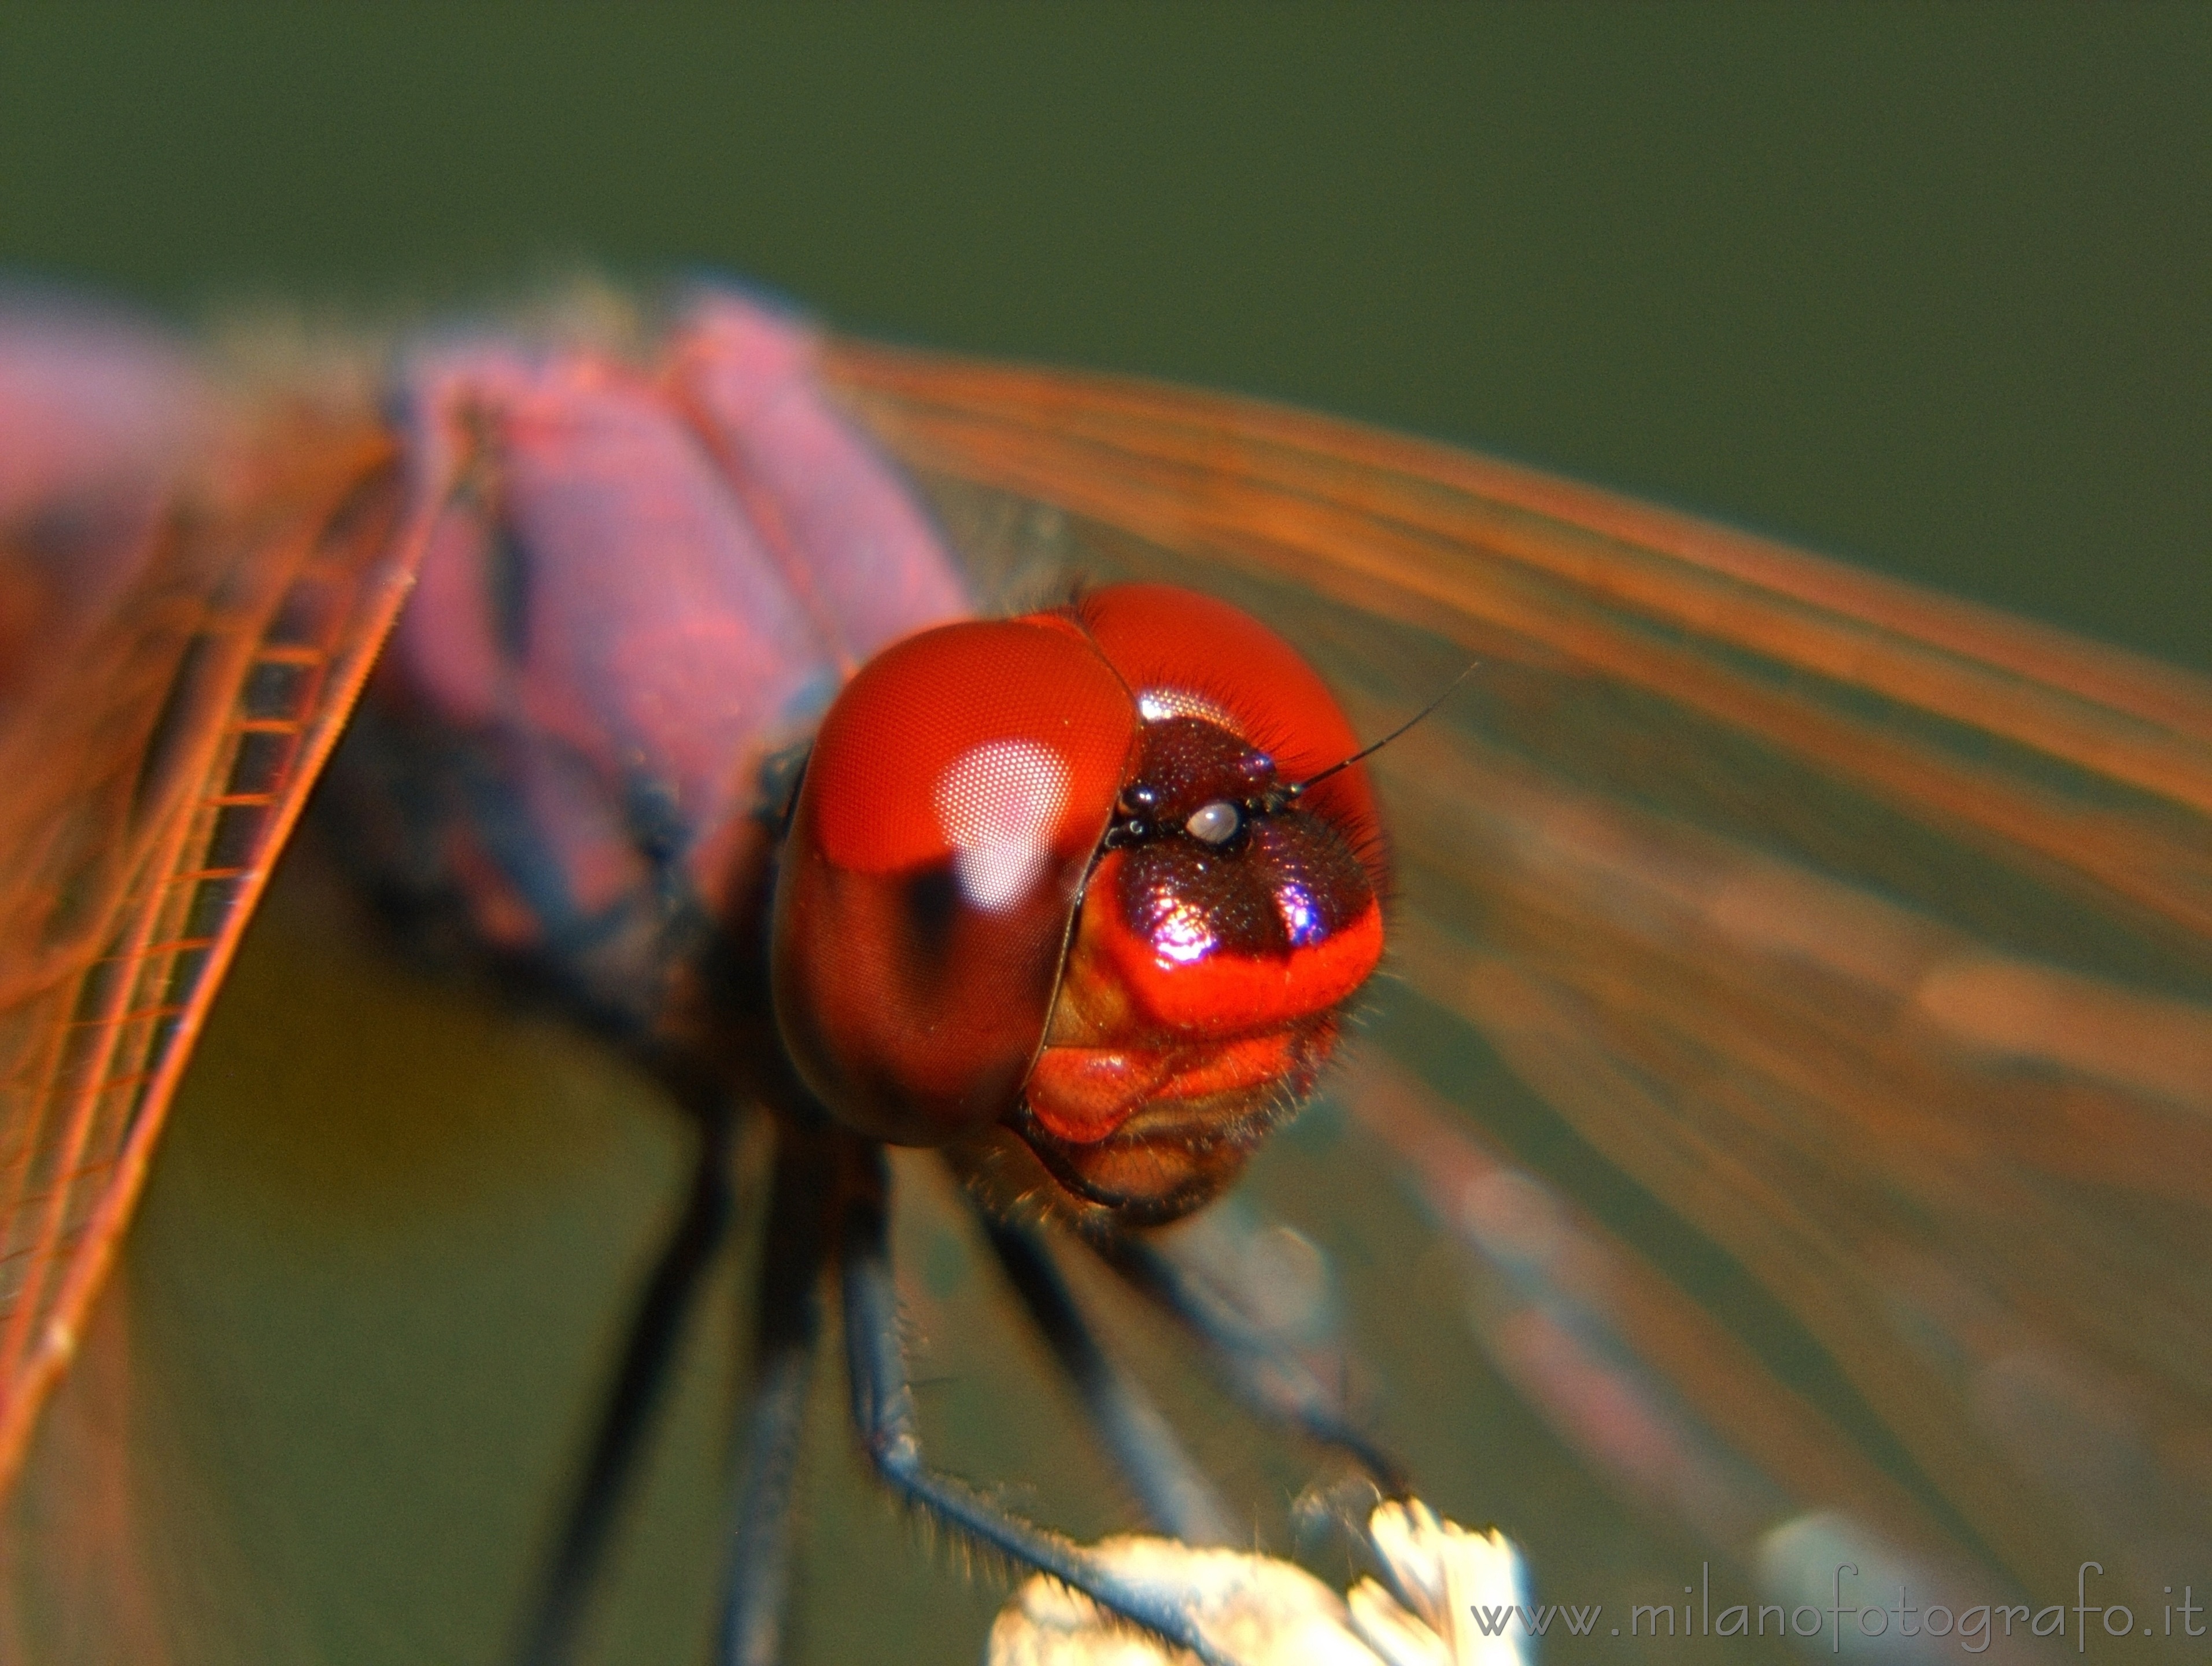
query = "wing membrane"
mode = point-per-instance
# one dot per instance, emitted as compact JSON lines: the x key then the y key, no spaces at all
{"x":1713,"y":621}
{"x":155,"y":774}
{"x":1866,"y":933}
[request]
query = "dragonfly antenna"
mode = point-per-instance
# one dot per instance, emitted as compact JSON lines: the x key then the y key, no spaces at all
{"x":1449,"y":688}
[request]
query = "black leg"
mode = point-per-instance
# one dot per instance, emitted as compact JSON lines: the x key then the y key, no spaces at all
{"x":1267,"y":1371}
{"x":883,"y":1412}
{"x":787,"y":1328}
{"x":648,"y":1355}
{"x":1174,"y":1493}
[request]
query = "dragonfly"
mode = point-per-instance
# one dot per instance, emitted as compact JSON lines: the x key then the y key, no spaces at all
{"x":1781,"y":1105}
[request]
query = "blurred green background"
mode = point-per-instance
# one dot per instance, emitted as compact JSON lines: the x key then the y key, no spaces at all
{"x":1925,"y":288}
{"x":1930,"y":287}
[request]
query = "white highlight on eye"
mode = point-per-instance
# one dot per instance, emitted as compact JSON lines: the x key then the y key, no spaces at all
{"x":997,"y":806}
{"x":1157,"y":705}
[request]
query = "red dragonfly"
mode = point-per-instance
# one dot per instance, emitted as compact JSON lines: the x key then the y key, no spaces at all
{"x":1788,"y":1076}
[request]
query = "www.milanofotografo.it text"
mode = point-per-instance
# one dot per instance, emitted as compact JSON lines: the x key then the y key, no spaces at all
{"x":1844,"y":1619}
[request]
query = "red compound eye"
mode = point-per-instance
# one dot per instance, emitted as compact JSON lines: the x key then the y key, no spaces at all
{"x":952,"y":803}
{"x":951,"y":952}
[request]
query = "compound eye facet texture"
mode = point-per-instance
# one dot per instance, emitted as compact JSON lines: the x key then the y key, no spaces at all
{"x":950,"y":807}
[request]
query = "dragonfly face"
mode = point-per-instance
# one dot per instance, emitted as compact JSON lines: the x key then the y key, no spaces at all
{"x":1042,"y":882}
{"x":1761,"y":931}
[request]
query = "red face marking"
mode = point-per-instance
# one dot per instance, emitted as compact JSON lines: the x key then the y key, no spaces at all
{"x":1052,"y":873}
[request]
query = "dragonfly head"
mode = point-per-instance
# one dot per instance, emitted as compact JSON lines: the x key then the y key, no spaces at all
{"x":1055,"y":891}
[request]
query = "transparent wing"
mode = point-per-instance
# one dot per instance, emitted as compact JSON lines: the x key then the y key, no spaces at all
{"x":196,"y":604}
{"x":1800,"y":1011}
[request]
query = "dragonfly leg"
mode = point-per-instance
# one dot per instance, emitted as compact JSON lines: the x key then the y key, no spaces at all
{"x":1174,"y":1493}
{"x":656,"y":1328}
{"x":883,"y":1413}
{"x":788,"y":1326}
{"x":1268,"y":1371}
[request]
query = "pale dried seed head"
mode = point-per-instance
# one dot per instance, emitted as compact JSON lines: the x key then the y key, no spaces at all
{"x":1466,"y":1591}
{"x":1263,"y":1611}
